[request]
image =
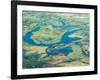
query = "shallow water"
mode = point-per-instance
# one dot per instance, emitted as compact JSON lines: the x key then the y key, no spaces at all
{"x":59,"y":44}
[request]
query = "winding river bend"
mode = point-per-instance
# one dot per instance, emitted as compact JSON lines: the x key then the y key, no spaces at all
{"x":55,"y":39}
{"x":64,"y":40}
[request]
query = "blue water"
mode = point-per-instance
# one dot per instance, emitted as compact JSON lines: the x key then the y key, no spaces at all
{"x":65,"y":50}
{"x":64,"y":40}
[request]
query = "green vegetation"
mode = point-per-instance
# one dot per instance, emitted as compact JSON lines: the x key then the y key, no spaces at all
{"x":52,"y":27}
{"x":34,"y":60}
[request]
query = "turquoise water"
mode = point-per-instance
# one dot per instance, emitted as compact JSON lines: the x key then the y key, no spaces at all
{"x":55,"y":39}
{"x":64,"y":40}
